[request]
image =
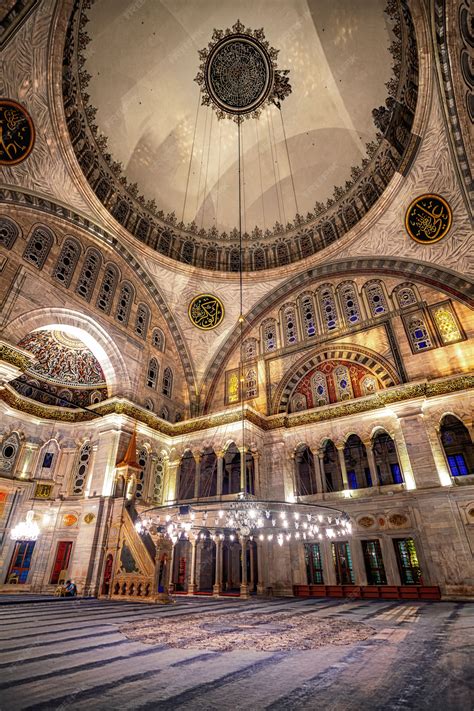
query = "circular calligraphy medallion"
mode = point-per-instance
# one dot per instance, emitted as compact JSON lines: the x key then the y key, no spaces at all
{"x":238,"y":74}
{"x":206,"y":311}
{"x":17,"y":133}
{"x":428,"y":219}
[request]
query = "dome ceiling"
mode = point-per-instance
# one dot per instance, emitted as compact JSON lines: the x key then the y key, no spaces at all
{"x":161,"y":160}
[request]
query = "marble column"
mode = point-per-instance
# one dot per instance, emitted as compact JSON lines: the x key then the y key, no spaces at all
{"x":342,"y":462}
{"x":260,"y":581}
{"x":170,"y":572}
{"x":318,"y":471}
{"x":197,"y":459}
{"x":244,"y":588}
{"x":256,"y":468}
{"x":192,"y":574}
{"x":217,"y":588}
{"x":252,"y":564}
{"x":371,"y":461}
{"x":220,"y":471}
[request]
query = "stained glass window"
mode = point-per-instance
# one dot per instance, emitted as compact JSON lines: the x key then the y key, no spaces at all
{"x":328,"y":307}
{"x":159,"y":477}
{"x":298,"y":402}
{"x":373,"y":560}
{"x":158,"y":339}
{"x":211,"y":258}
{"x":187,"y":252}
{"x":82,"y":467}
{"x":143,"y":462}
{"x":368,"y":385}
{"x":308,"y":316}
{"x":38,"y":246}
{"x":376,"y":298}
{"x":341,"y":554}
{"x":259,"y":259}
{"x":269,"y":334}
{"x":142,"y":320}
{"x":418,"y":332}
{"x":283,"y":256}
{"x":124,"y":303}
{"x":289,"y":320}
{"x":319,"y":388}
{"x":457,"y":465}
{"x":149,"y":405}
{"x":8,"y":454}
{"x":88,"y":275}
{"x":251,"y":383}
{"x":350,"y":303}
{"x":249,"y":349}
{"x":232,"y":388}
{"x":107,"y":288}
{"x":446,"y":323}
{"x":8,"y":232}
{"x":152,"y":374}
{"x":407,"y":558}
{"x":314,"y":564}
{"x":342,"y":382}
{"x":67,"y":261}
{"x":405,"y":296}
{"x":167,"y":384}
{"x":234,"y":260}
{"x":165,"y":413}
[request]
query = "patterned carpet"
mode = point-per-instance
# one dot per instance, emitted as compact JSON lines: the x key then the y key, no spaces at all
{"x":72,"y":655}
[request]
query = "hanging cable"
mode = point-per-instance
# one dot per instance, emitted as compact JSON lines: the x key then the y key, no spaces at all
{"x":289,"y":162}
{"x":218,"y":174}
{"x":191,"y":158}
{"x":243,"y":181}
{"x":241,"y":315}
{"x":202,"y":160}
{"x":278,"y":169}
{"x":261,"y":180}
{"x":273,"y":166}
{"x":207,"y":170}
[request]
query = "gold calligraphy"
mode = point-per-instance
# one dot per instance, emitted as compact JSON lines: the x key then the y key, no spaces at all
{"x":17,"y":133}
{"x":206,"y":311}
{"x":428,"y":219}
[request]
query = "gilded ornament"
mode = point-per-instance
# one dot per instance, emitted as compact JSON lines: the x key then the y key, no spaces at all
{"x":366,"y":521}
{"x":206,"y":311}
{"x":17,"y":133}
{"x":43,"y":491}
{"x":69,"y":519}
{"x":88,"y":518}
{"x":398,"y":519}
{"x":428,"y":219}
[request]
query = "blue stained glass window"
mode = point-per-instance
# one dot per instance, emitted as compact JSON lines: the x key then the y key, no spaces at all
{"x":396,"y":473}
{"x":457,"y":465}
{"x":352,"y":479}
{"x":350,"y":303}
{"x":368,"y":476}
{"x":48,"y":460}
{"x":309,"y":321}
{"x":328,"y":308}
{"x":376,"y":298}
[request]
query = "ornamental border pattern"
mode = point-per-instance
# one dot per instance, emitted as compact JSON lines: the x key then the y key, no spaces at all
{"x":298,"y":240}
{"x":324,"y":414}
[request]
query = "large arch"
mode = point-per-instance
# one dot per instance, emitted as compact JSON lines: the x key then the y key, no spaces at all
{"x":440,"y":278}
{"x":378,"y":365}
{"x":84,"y":328}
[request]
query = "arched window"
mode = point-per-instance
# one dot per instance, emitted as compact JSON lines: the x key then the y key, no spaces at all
{"x":457,"y":446}
{"x":251,"y":383}
{"x":332,"y":467}
{"x":159,"y":478}
{"x":211,"y":258}
{"x":308,"y":316}
{"x":376,"y":298}
{"x":342,"y":383}
{"x":8,"y":454}
{"x":187,"y":252}
{"x":306,"y":245}
{"x":357,"y":464}
{"x":405,"y":296}
{"x":283,"y":255}
{"x":298,"y":402}
{"x":88,"y":275}
{"x":328,"y":307}
{"x":208,"y":474}
{"x":47,"y":460}
{"x":167,"y":383}
{"x":305,"y":474}
{"x":446,"y":323}
{"x":158,"y":339}
{"x":319,"y":389}
{"x":67,"y":261}
{"x":368,"y":385}
{"x":142,"y":230}
{"x":186,"y":476}
{"x":328,"y":232}
{"x":418,"y":333}
{"x":124,"y":305}
{"x":38,"y":246}
{"x":231,"y":472}
{"x":142,"y":320}
{"x":82,"y":466}
{"x":386,"y":459}
{"x":164,"y":413}
{"x":9,"y":231}
{"x":259,"y":259}
{"x":289,"y":324}
{"x":269,"y":335}
{"x":142,"y":461}
{"x":349,"y":302}
{"x":120,"y":211}
{"x":234,"y":260}
{"x":249,"y":473}
{"x":107,"y":288}
{"x":152,"y":374}
{"x":149,"y":405}
{"x":249,"y":349}
{"x":96,"y":397}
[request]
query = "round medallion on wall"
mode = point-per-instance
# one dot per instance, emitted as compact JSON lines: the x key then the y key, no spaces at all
{"x":17,"y":133}
{"x":69,"y":519}
{"x":428,"y":219}
{"x":206,"y":311}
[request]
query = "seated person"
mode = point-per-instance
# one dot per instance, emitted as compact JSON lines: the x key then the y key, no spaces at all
{"x":70,"y":589}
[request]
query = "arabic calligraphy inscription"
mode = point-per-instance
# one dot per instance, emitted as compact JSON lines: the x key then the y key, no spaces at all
{"x":428,"y":219}
{"x":17,"y":133}
{"x":206,"y":311}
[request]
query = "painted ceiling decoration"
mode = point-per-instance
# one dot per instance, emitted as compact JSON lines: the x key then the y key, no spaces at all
{"x":166,"y":168}
{"x":428,"y":219}
{"x":17,"y":133}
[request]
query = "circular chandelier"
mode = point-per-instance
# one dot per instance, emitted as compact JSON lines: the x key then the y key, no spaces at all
{"x":246,"y":516}
{"x":238,"y":74}
{"x":27,"y":530}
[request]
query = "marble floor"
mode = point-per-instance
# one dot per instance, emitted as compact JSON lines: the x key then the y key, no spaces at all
{"x":71,"y":654}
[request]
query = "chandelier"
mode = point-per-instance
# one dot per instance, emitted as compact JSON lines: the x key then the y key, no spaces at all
{"x":27,"y":530}
{"x":246,"y":516}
